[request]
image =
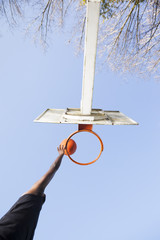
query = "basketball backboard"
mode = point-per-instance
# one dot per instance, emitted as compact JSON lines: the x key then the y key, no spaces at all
{"x":74,"y":115}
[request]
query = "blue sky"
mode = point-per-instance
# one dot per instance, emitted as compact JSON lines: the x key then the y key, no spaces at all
{"x":118,"y":197}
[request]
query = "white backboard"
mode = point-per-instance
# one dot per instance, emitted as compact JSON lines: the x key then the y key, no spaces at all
{"x":74,"y":116}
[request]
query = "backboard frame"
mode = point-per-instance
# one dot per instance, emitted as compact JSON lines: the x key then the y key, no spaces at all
{"x":74,"y":116}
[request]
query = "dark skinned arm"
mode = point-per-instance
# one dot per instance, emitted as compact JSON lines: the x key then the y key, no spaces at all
{"x":39,"y":187}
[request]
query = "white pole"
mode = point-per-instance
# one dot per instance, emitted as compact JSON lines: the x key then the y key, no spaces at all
{"x":91,"y":34}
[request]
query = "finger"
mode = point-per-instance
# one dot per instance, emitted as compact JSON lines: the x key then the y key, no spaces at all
{"x":63,"y":147}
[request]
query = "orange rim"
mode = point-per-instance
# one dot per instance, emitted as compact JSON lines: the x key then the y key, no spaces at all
{"x":90,"y":131}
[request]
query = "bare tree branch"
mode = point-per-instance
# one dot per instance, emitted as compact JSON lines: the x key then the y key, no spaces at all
{"x":129,"y":36}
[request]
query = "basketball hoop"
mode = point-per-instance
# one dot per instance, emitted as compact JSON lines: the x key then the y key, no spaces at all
{"x":79,"y":131}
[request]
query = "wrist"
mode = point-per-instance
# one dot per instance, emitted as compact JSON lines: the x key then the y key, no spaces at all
{"x":61,"y":154}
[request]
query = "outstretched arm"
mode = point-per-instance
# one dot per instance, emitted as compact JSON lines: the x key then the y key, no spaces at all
{"x":39,"y":187}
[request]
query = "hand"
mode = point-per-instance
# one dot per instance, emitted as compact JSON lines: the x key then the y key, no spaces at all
{"x":61,"y":149}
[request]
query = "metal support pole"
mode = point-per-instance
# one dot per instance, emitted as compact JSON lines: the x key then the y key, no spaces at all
{"x":91,"y":34}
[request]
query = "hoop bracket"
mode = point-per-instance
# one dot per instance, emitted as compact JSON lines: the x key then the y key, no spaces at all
{"x":85,"y":126}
